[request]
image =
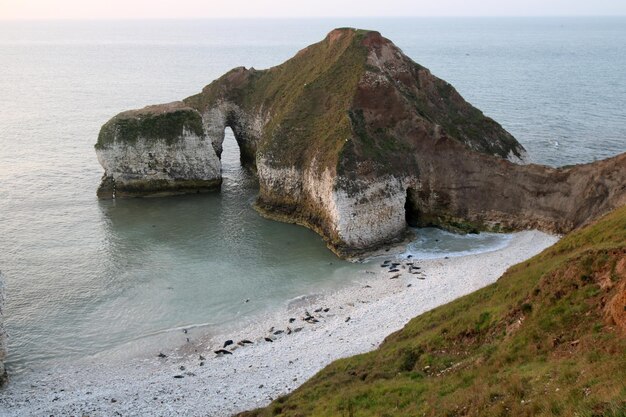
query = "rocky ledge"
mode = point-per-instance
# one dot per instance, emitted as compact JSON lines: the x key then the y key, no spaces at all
{"x":353,"y":139}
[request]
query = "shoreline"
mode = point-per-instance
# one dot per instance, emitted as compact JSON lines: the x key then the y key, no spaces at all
{"x":193,"y":380}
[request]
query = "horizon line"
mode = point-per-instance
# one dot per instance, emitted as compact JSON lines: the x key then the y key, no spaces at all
{"x":40,"y":19}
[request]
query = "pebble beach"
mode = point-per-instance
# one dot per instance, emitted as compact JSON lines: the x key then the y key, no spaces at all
{"x":273,"y":356}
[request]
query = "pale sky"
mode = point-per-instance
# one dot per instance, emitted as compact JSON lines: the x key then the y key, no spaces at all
{"x":137,"y":9}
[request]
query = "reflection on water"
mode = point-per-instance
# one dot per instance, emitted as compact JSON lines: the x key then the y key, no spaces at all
{"x":163,"y":263}
{"x":83,"y":276}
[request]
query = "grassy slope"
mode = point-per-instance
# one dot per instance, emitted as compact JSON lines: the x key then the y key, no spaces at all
{"x":537,"y":342}
{"x":308,"y":97}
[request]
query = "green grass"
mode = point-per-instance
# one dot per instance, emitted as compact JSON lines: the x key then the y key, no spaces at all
{"x":308,"y":98}
{"x":127,"y":127}
{"x":309,"y":103}
{"x":537,"y":342}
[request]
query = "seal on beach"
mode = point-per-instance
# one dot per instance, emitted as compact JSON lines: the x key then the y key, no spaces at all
{"x":223,"y":352}
{"x":268,"y":339}
{"x":291,"y":320}
{"x":162,"y":355}
{"x":244,"y":342}
{"x":228,"y":343}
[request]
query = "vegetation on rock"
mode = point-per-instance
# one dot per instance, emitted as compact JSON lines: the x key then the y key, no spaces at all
{"x":168,"y":125}
{"x":548,"y":338}
{"x":347,"y":131}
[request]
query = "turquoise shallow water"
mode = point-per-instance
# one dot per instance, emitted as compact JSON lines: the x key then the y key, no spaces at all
{"x":85,"y":275}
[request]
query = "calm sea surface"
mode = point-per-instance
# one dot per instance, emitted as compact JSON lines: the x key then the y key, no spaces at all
{"x":84,"y":276}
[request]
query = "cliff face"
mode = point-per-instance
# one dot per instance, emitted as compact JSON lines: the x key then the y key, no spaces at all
{"x":158,"y":149}
{"x":353,"y":139}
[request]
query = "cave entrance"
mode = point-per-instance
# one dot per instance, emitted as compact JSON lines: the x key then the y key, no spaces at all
{"x":411,"y":211}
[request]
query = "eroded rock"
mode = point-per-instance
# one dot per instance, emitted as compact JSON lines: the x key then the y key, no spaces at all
{"x":354,"y":140}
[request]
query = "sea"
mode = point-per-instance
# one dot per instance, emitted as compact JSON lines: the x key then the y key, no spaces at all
{"x":84,"y":276}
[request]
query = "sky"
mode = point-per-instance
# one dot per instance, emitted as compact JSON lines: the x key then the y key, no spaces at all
{"x":148,"y":9}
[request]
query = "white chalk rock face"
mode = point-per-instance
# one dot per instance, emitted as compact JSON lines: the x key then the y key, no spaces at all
{"x":157,"y":150}
{"x":355,"y":140}
{"x":373,"y":215}
{"x":364,"y":217}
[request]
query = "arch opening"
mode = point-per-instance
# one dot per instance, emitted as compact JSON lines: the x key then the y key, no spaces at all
{"x":244,"y":138}
{"x":237,"y":171}
{"x":230,"y":154}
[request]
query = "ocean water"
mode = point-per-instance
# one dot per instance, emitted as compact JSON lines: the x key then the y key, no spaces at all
{"x":432,"y":243}
{"x":85,"y":276}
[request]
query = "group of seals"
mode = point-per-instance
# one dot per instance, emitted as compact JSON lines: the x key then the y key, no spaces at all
{"x":395,"y":267}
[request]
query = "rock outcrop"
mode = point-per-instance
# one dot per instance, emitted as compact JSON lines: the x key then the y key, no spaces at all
{"x":353,"y":139}
{"x":158,"y":149}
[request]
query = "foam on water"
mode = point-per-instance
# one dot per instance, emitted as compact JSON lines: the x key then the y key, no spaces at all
{"x":85,"y":277}
{"x":431,"y":243}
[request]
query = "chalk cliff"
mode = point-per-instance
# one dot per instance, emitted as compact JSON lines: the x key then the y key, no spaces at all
{"x":353,"y":139}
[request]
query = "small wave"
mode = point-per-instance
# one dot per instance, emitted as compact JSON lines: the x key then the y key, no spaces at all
{"x":434,"y":243}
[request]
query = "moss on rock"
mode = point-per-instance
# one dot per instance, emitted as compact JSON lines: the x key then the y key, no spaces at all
{"x":151,"y":123}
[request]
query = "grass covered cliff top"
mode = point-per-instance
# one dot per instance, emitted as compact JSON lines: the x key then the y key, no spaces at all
{"x":304,"y":100}
{"x":163,"y":121}
{"x":549,"y":339}
{"x":307,"y":106}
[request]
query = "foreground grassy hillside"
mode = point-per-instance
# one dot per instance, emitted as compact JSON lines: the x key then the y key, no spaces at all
{"x":549,"y":338}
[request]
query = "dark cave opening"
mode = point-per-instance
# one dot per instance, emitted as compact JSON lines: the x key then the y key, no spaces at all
{"x":411,"y":212}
